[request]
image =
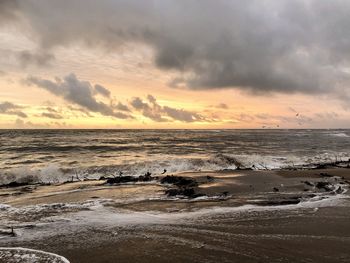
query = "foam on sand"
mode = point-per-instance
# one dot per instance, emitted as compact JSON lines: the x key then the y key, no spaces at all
{"x":101,"y":215}
{"x":26,"y":255}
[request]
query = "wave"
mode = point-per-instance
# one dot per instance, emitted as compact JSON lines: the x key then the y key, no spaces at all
{"x":53,"y":173}
{"x":340,"y":134}
{"x":69,"y":148}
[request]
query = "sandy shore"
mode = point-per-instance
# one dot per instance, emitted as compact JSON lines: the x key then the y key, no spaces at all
{"x":243,"y":216}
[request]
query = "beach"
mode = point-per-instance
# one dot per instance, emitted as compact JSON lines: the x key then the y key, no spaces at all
{"x":235,"y":216}
{"x":174,"y":131}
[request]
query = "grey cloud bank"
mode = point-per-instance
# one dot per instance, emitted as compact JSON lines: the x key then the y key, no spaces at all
{"x":12,"y":109}
{"x":255,"y":45}
{"x":102,"y":91}
{"x":158,"y":113}
{"x":78,"y":92}
{"x":83,"y":94}
{"x":40,"y":59}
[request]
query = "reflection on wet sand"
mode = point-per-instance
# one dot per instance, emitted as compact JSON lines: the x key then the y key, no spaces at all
{"x":224,"y":214}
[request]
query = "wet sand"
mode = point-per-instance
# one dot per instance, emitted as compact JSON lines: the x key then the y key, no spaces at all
{"x":239,"y":221}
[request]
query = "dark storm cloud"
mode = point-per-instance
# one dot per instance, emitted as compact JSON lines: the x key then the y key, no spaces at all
{"x":12,"y":109}
{"x":78,"y":92}
{"x":257,"y":45}
{"x":151,"y":109}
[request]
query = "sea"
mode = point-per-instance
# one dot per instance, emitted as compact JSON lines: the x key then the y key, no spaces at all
{"x":59,"y":155}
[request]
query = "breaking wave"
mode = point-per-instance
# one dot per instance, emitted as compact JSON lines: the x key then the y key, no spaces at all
{"x":340,"y":134}
{"x":53,"y":173}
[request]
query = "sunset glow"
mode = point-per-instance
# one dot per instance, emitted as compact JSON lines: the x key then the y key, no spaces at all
{"x":130,"y":68}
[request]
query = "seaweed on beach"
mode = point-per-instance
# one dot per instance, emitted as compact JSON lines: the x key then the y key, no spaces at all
{"x":179,"y":181}
{"x":324,"y":185}
{"x":185,"y":186}
{"x":122,"y":179}
{"x":187,"y":192}
{"x":294,"y":200}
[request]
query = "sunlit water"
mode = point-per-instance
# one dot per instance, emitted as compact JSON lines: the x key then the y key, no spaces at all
{"x":55,"y":155}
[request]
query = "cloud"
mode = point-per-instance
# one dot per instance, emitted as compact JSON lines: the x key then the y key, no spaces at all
{"x":264,"y":116}
{"x":78,"y":111}
{"x":327,"y":115}
{"x":221,"y":106}
{"x":152,"y":110}
{"x":38,"y":59}
{"x":260,"y":46}
{"x":122,"y":107}
{"x":12,"y":109}
{"x":81,"y":93}
{"x":154,"y":113}
{"x":51,"y":115}
{"x":244,"y":117}
{"x":138,"y":104}
{"x":20,"y":124}
{"x":102,"y":91}
{"x":8,"y":10}
{"x":183,"y":115}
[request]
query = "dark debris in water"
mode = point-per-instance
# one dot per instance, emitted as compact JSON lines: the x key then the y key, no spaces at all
{"x":9,"y":232}
{"x":187,"y":192}
{"x":147,"y":177}
{"x":324,"y":185}
{"x":281,"y":201}
{"x":308,"y":183}
{"x":185,"y":186}
{"x":15,"y":184}
{"x":326,"y":175}
{"x":179,"y":181}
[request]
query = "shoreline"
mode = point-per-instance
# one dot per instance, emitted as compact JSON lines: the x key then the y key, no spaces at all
{"x":91,"y":221}
{"x":213,"y":163}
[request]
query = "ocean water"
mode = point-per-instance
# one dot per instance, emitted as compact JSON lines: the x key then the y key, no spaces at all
{"x":57,"y":155}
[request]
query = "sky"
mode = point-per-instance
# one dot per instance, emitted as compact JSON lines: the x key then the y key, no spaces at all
{"x":174,"y":64}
